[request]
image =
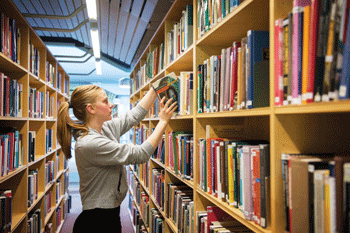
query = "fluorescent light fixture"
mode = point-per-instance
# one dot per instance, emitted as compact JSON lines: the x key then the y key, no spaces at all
{"x":91,"y":9}
{"x":98,"y":67}
{"x":95,"y":39}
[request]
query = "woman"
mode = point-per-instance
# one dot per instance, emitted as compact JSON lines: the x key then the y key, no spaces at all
{"x":99,"y":157}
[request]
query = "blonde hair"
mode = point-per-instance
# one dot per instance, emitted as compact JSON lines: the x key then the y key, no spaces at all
{"x":81,"y":97}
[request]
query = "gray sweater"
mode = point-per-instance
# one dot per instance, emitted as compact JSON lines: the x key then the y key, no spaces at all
{"x":100,"y":161}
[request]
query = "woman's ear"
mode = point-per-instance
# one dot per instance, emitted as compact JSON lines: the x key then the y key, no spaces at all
{"x":90,"y":109}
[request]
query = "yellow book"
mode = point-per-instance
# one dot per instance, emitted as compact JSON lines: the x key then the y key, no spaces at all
{"x":327,"y":209}
{"x":230,"y":173}
{"x":306,"y":35}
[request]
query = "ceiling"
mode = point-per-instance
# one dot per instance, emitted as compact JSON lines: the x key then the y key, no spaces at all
{"x":125,"y":26}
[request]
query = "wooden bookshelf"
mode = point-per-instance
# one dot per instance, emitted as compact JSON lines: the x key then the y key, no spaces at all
{"x":308,"y":128}
{"x":17,"y":180}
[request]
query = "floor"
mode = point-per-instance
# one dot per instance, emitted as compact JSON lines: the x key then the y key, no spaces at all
{"x":77,"y":208}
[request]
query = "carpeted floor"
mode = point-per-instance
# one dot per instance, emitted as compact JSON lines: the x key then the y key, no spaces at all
{"x":76,"y":210}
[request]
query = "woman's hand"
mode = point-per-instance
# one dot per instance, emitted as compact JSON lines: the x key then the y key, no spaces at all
{"x":166,"y":111}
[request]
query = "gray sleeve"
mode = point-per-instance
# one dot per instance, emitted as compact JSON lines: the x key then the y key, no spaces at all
{"x":131,"y":118}
{"x":104,"y":152}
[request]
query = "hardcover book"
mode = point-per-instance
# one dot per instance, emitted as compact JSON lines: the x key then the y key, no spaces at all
{"x":168,"y":87}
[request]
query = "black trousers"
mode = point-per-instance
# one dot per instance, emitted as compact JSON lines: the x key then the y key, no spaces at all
{"x":98,"y":220}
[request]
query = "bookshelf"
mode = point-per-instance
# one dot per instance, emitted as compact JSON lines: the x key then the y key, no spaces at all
{"x":307,"y":128}
{"x":41,"y":93}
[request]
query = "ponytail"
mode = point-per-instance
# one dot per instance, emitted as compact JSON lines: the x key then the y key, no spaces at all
{"x":65,"y":125}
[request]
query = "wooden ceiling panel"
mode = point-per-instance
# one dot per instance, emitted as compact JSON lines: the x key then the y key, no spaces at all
{"x":104,"y":24}
{"x":58,"y":11}
{"x":141,"y":27}
{"x":130,"y":29}
{"x":113,"y":22}
{"x":148,"y":10}
{"x":123,"y":19}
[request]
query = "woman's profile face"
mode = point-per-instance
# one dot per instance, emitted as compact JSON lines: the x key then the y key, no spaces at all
{"x":103,"y":107}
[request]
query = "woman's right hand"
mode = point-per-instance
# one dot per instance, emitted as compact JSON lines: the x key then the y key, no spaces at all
{"x":166,"y":111}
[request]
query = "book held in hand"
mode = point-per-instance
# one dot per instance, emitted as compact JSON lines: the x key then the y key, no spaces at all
{"x":168,"y":87}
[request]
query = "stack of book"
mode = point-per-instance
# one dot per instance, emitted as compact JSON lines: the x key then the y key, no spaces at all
{"x":36,"y":103}
{"x":50,"y":74}
{"x":155,"y":61}
{"x":180,"y":37}
{"x":237,"y":172}
{"x":312,"y":52}
{"x":34,"y":59}
{"x":158,"y":181}
{"x":34,"y":222}
{"x":10,"y":38}
{"x":157,"y":222}
{"x":316,"y":191}
{"x":238,"y":78}
{"x":181,"y":153}
{"x":180,"y":207}
{"x":11,"y":97}
{"x":211,"y":12}
{"x":33,"y":186}
{"x":11,"y":150}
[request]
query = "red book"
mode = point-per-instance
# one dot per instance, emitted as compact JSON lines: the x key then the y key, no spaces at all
{"x":235,"y":47}
{"x":256,"y":185}
{"x":315,"y":11}
{"x":216,"y":214}
{"x":279,"y":62}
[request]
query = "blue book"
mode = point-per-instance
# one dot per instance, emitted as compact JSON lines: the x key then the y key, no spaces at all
{"x":345,"y":74}
{"x":258,"y":50}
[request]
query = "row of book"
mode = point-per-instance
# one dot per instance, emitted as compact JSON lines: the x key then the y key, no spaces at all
{"x":215,"y":220}
{"x":11,"y":150}
{"x":11,"y":97}
{"x":36,"y":103}
{"x":139,"y":227}
{"x":6,"y":211}
{"x":47,"y":203}
{"x":237,"y":172}
{"x":180,"y":153}
{"x":158,"y":189}
{"x":180,"y":37}
{"x":159,"y":153}
{"x":34,"y":222}
{"x":58,"y":190}
{"x":59,"y":216}
{"x":237,"y":78}
{"x":154,"y":63}
{"x":141,"y":134}
{"x":50,"y":74}
{"x":185,"y":101}
{"x":142,"y":200}
{"x":10,"y":38}
{"x":49,"y":172}
{"x":49,"y":140}
{"x":33,"y":186}
{"x":211,"y":12}
{"x":49,"y":105}
{"x":311,"y":53}
{"x":157,"y":222}
{"x":316,"y":192}
{"x":180,"y":207}
{"x":34,"y":56}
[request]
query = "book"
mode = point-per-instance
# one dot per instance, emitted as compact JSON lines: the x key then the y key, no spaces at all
{"x":215,"y":213}
{"x":258,"y":50}
{"x":344,"y":92}
{"x":168,"y":87}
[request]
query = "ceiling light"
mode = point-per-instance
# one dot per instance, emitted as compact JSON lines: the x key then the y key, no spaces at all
{"x":98,"y":67}
{"x":95,"y":39}
{"x":91,"y":9}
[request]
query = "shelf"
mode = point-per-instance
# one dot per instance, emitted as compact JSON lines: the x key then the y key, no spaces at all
{"x":182,"y":63}
{"x":171,"y":225}
{"x":313,"y":108}
{"x":10,"y":67}
{"x":12,"y":174}
{"x":16,"y":220}
{"x":249,"y":15}
{"x":187,"y":182}
{"x":234,"y":212}
{"x":2,"y":118}
{"x":237,"y":113}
